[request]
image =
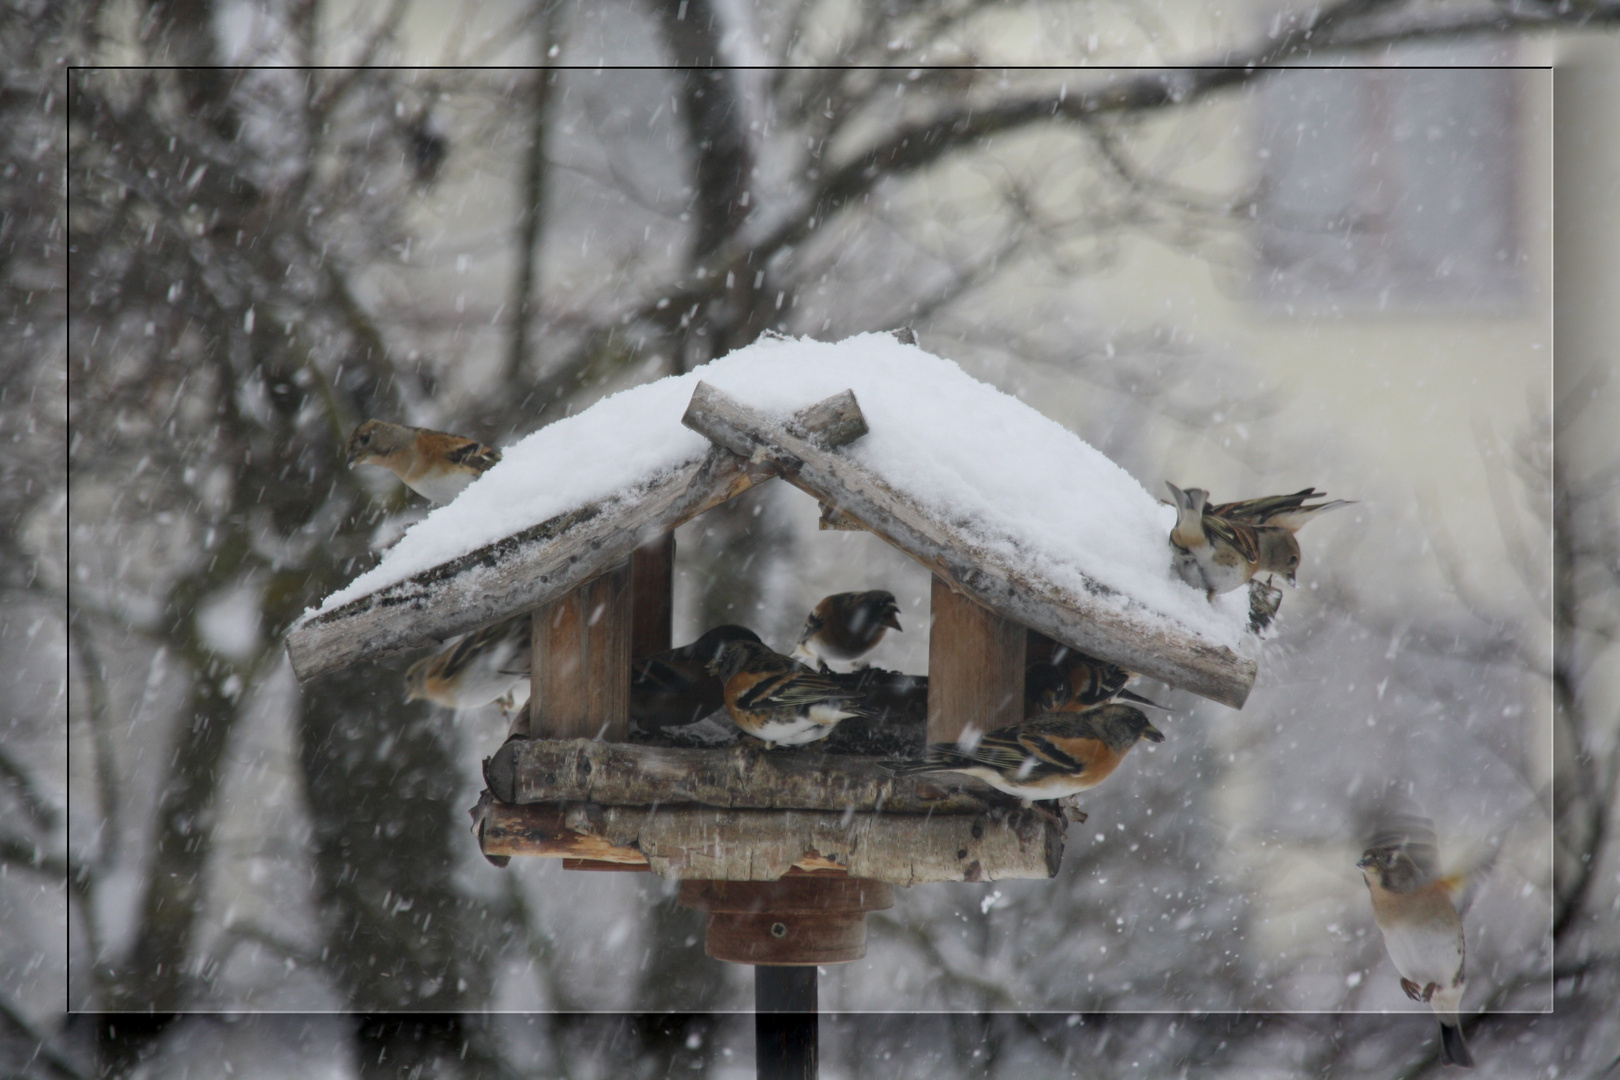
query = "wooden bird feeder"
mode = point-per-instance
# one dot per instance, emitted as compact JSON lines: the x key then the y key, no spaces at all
{"x":785,"y":850}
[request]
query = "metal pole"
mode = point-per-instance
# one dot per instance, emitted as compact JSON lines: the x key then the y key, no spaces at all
{"x":786,"y":1027}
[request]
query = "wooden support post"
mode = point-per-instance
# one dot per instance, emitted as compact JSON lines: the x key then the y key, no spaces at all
{"x":580,"y":676}
{"x":975,"y":667}
{"x":786,"y":1027}
{"x":652,"y":581}
{"x":796,"y":920}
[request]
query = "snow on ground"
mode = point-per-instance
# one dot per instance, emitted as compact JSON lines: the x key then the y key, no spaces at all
{"x":1020,"y":483}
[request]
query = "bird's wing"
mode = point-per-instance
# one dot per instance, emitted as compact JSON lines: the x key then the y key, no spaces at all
{"x":1257,"y":511}
{"x":473,"y":454}
{"x":1240,"y":536}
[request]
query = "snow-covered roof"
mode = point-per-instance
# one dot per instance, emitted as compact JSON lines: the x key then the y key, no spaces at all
{"x":1016,"y":488}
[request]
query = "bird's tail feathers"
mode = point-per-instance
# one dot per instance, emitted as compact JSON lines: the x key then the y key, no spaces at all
{"x":1453,"y":1050}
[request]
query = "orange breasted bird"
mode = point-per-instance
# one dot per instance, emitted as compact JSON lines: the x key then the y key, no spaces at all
{"x":1420,"y":913}
{"x":1050,"y":757}
{"x":674,"y":688}
{"x":434,"y":464}
{"x":777,"y":699}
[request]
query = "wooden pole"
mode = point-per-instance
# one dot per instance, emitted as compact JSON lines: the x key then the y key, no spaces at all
{"x":975,"y":667}
{"x":786,"y":1026}
{"x":580,"y":675}
{"x":652,"y":579}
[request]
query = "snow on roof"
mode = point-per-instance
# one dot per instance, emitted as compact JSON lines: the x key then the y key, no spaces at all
{"x":1019,"y":482}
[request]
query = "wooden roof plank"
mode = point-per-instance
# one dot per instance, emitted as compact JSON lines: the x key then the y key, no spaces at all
{"x":518,"y":573}
{"x":1151,"y":645}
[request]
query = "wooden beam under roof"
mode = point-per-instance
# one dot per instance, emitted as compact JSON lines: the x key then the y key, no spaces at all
{"x":1150,"y":644}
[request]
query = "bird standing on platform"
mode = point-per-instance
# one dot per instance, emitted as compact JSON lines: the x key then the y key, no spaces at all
{"x":434,"y":464}
{"x":775,"y":698}
{"x":476,"y":668}
{"x":1071,"y":681}
{"x":1420,"y":913}
{"x":674,"y":688}
{"x":1050,"y":757}
{"x":848,"y":625}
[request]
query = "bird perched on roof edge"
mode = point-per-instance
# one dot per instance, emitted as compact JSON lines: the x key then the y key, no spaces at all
{"x":1048,"y":757}
{"x":777,"y":699}
{"x":847,"y":625}
{"x":435,"y":464}
{"x":1218,"y":555}
{"x":1420,"y":914}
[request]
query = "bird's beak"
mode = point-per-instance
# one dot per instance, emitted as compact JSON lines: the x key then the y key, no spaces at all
{"x":1291,"y":582}
{"x":892,"y":620}
{"x":1152,"y":734}
{"x":354,"y":456}
{"x":1364,"y":862}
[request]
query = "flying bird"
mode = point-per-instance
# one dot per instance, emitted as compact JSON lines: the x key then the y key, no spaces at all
{"x":777,"y":699}
{"x":1420,"y":912}
{"x":1050,"y":757}
{"x":435,"y":464}
{"x":474,"y":669}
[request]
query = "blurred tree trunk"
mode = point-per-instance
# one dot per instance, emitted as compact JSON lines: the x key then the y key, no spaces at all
{"x":382,"y":786}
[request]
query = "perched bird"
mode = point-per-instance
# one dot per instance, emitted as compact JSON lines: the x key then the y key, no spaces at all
{"x":1218,"y":555}
{"x":777,"y":699}
{"x":848,"y":625}
{"x":1420,"y":913}
{"x":1281,"y":511}
{"x":476,"y":668}
{"x":673,"y":688}
{"x":1072,"y":681}
{"x":434,"y":464}
{"x":1049,"y":757}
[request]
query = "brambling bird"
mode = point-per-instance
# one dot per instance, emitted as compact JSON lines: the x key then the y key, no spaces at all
{"x":1218,"y":555}
{"x":777,"y":699}
{"x":1050,"y":757}
{"x":674,"y":688}
{"x":1418,"y":911}
{"x":847,"y":625}
{"x":434,"y":464}
{"x":476,"y":668}
{"x":1071,"y":680}
{"x":1282,"y":511}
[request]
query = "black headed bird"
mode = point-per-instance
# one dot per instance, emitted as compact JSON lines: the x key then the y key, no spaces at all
{"x":846,"y":626}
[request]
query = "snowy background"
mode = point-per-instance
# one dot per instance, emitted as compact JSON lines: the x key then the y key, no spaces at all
{"x":1333,"y":278}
